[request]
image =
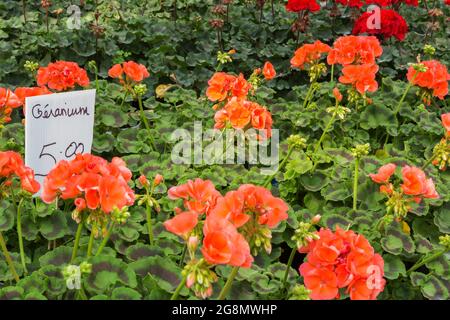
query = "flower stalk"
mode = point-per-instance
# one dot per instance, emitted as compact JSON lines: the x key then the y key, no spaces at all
{"x":8,"y":258}
{"x":223,"y":294}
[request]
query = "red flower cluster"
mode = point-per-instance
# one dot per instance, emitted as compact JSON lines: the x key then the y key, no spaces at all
{"x":309,"y":54}
{"x":434,"y":79}
{"x":222,"y":243}
{"x":301,"y":5}
{"x":25,"y":92}
{"x":446,"y":122}
{"x":62,"y":75}
{"x":342,"y":259}
{"x":8,"y":101}
{"x":92,"y":181}
{"x":392,"y":25}
{"x":415,"y":182}
{"x":357,"y":55}
{"x":11,"y":163}
{"x":351,"y":3}
{"x":385,"y":3}
{"x":132,"y":70}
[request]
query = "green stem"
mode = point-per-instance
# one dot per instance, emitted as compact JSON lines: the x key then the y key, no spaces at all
{"x":183,"y":255}
{"x":332,"y":73}
{"x":228,"y":284}
{"x":355,"y":184}
{"x":105,"y":239}
{"x":124,"y":98}
{"x":19,"y":233}
{"x":425,"y":261}
{"x":91,"y":243}
{"x":149,"y":222}
{"x":291,"y":258}
{"x":397,"y":109}
{"x":179,"y":288}
{"x":308,"y":95}
{"x":270,"y":178}
{"x":428,"y":162}
{"x":322,"y":137}
{"x":77,"y":242}
{"x":8,"y":258}
{"x":144,"y":119}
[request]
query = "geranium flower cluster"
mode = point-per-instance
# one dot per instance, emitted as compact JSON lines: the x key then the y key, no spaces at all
{"x":357,"y":55}
{"x":302,"y":5}
{"x":234,"y":226}
{"x":392,"y":24}
{"x":133,"y":71}
{"x":342,"y":259}
{"x":235,"y":110}
{"x":8,"y":101}
{"x":62,"y":75}
{"x":432,"y":79}
{"x":308,"y":57}
{"x":441,"y":151}
{"x":11,"y":163}
{"x":92,"y":181}
{"x":386,"y":3}
{"x":415,"y":186}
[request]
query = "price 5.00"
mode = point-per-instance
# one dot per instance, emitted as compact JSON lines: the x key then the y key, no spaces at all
{"x":48,"y":151}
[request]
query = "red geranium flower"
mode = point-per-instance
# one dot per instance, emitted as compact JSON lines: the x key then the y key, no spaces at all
{"x":309,"y":54}
{"x":351,"y":3}
{"x":133,"y":71}
{"x":415,"y":183}
{"x":269,"y":71}
{"x":361,"y":77}
{"x":392,"y":25}
{"x":384,"y":173}
{"x":446,"y":121}
{"x":355,"y":50}
{"x":300,"y":5}
{"x":62,"y":75}
{"x":182,"y":223}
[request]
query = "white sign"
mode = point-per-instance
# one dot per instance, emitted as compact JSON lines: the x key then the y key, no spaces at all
{"x":57,"y":127}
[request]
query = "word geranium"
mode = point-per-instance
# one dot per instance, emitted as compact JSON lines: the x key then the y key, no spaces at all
{"x":414,"y":188}
{"x":342,"y":259}
{"x":62,"y":75}
{"x":235,"y":226}
{"x":392,"y":25}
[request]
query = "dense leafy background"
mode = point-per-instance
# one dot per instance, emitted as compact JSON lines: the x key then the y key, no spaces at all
{"x":179,"y":47}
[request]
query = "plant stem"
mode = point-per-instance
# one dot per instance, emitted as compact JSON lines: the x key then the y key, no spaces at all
{"x":105,"y":239}
{"x":355,"y":184}
{"x":179,"y":288}
{"x":228,"y":284}
{"x":322,"y":137}
{"x":8,"y":258}
{"x":183,"y":255}
{"x":291,"y":258}
{"x":19,"y":234}
{"x":144,"y":119}
{"x":91,"y":243}
{"x":425,"y":261}
{"x":269,"y":179}
{"x":124,"y":98}
{"x":308,"y":96}
{"x":332,"y":73}
{"x":24,"y":11}
{"x":149,"y":222}
{"x":428,"y":162}
{"x":77,"y":242}
{"x":397,"y":109}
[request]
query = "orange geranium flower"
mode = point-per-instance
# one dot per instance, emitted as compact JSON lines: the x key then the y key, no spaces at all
{"x":223,"y":244}
{"x":25,"y":92}
{"x":384,"y":173}
{"x":219,"y":86}
{"x":435,"y":78}
{"x":199,"y":195}
{"x":101,"y":184}
{"x":11,"y":163}
{"x":133,"y":71}
{"x":446,"y":122}
{"x":355,"y":50}
{"x":269,"y":71}
{"x":361,"y":77}
{"x":8,"y":101}
{"x":415,"y":183}
{"x":231,"y":207}
{"x":342,"y":259}
{"x":62,"y":75}
{"x":309,"y":54}
{"x":182,"y":224}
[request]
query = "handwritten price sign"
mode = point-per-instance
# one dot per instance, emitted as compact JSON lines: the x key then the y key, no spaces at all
{"x":57,"y":127}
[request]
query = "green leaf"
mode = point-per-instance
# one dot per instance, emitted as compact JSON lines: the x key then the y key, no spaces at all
{"x":11,"y":293}
{"x":393,"y":267}
{"x":57,"y":257}
{"x":54,"y":226}
{"x":7,"y":214}
{"x":123,"y":293}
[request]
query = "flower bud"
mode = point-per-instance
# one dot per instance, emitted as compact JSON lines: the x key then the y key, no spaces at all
{"x":143,"y":180}
{"x":316,"y":219}
{"x":158,"y":179}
